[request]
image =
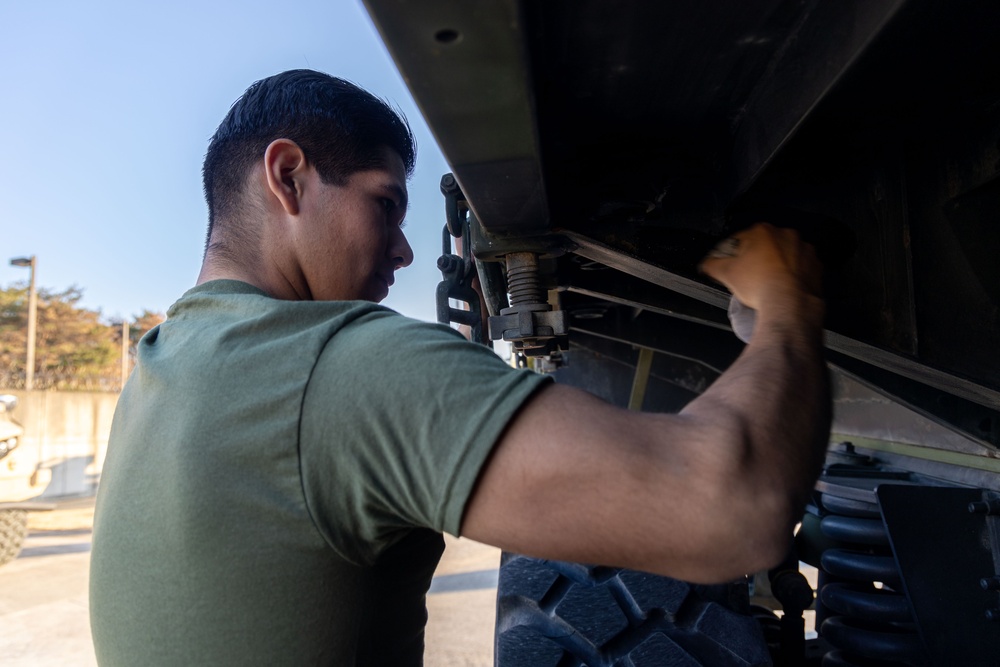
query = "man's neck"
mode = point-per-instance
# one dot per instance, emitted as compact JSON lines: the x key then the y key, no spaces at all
{"x":261,"y":274}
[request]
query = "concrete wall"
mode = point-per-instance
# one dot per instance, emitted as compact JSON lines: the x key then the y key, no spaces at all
{"x":63,"y":447}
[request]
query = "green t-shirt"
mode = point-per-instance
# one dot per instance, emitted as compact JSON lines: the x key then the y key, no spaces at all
{"x":277,"y":477}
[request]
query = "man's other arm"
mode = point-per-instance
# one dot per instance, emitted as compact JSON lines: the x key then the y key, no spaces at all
{"x":705,"y":495}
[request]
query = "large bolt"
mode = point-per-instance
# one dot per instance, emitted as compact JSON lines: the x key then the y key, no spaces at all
{"x":448,"y":184}
{"x":990,"y":583}
{"x":448,"y":263}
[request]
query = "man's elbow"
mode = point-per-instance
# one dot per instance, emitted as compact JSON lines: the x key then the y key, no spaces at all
{"x":742,"y":554}
{"x":775,"y":508}
{"x":751,"y":531}
{"x":774,"y":531}
{"x":761,"y":499}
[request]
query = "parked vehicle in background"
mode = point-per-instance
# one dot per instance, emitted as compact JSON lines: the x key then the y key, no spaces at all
{"x":601,"y":149}
{"x":19,"y":481}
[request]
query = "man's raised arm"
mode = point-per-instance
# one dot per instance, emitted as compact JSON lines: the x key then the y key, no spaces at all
{"x":705,"y":495}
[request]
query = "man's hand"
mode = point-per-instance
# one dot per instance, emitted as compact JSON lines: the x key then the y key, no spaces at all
{"x":766,"y":266}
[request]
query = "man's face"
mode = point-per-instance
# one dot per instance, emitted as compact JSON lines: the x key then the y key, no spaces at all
{"x":351,"y":239}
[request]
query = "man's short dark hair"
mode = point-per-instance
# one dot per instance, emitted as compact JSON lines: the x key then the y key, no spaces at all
{"x":340,"y":127}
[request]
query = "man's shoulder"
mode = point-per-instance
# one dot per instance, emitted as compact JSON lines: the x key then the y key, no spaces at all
{"x":221,"y":304}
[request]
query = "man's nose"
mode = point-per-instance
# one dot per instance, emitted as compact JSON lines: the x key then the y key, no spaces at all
{"x":401,"y":252}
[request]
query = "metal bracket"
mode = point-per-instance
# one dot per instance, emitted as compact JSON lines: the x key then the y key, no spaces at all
{"x":945,"y":543}
{"x":458,"y":272}
{"x":529,"y":324}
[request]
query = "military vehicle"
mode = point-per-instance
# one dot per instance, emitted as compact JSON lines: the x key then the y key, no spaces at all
{"x":13,"y":517}
{"x":600,"y":149}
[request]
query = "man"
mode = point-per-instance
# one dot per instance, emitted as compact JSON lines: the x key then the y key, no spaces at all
{"x":287,"y":452}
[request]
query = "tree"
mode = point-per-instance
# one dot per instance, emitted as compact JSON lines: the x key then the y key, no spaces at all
{"x":74,"y":348}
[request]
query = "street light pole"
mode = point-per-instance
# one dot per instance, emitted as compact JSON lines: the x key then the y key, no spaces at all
{"x":125,"y":346}
{"x":31,"y":263}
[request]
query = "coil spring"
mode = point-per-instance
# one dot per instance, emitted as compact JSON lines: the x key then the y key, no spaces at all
{"x":865,"y":624}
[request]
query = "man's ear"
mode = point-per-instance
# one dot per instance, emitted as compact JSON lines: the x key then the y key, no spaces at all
{"x":285,"y":167}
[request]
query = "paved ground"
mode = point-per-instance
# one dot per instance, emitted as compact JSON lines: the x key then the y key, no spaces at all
{"x":43,"y":594}
{"x":45,"y":621}
{"x":461,"y":606}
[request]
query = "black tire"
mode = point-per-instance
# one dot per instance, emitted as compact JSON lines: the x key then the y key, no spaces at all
{"x":554,"y":614}
{"x":13,"y":530}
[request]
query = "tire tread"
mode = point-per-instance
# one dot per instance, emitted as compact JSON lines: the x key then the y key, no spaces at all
{"x":555,"y":614}
{"x":13,"y":530}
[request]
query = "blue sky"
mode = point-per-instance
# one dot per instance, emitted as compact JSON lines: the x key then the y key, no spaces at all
{"x":106,"y":112}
